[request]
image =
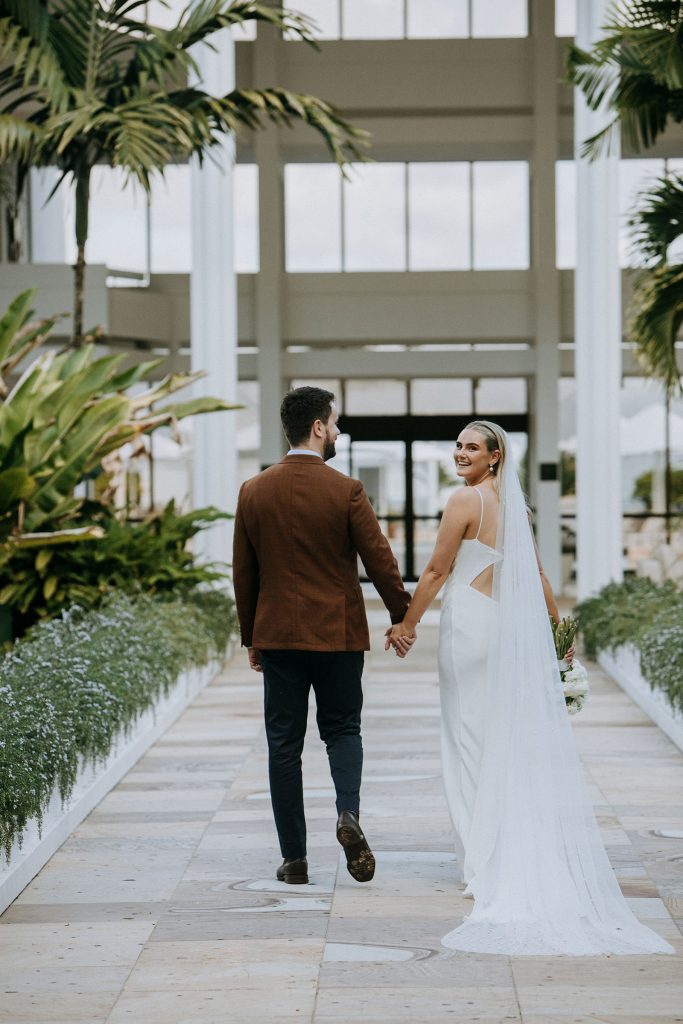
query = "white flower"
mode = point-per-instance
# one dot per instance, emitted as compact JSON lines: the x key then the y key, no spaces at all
{"x":575,"y":686}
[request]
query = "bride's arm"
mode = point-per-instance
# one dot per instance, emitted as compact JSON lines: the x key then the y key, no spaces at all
{"x":551,"y":603}
{"x":458,"y":514}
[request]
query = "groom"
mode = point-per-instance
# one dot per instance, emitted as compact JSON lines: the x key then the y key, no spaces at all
{"x":299,"y":529}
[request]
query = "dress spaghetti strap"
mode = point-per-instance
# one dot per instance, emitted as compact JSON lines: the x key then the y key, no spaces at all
{"x":481,"y":517}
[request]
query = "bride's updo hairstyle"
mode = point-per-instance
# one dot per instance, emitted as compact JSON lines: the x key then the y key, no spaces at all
{"x":495,"y":441}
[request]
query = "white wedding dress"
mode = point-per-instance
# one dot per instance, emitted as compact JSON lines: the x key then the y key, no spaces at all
{"x":527,"y":843}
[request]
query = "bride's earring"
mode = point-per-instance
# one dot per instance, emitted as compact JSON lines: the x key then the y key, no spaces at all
{"x":490,"y":469}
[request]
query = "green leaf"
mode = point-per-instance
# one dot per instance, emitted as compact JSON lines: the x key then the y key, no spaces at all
{"x":43,"y":559}
{"x":196,"y":406}
{"x":15,"y":485}
{"x":17,"y":314}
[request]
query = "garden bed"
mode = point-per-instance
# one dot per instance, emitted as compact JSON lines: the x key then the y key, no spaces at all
{"x":81,"y":699}
{"x":635,"y":630}
{"x":623,"y":665}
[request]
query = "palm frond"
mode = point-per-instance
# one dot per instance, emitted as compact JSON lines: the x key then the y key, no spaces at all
{"x":656,"y":315}
{"x":658,"y":219}
{"x":26,"y":50}
{"x":203,"y":18}
{"x":635,"y":71}
{"x":252,"y":109}
{"x":18,"y":137}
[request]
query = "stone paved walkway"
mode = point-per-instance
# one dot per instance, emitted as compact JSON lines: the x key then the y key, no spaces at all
{"x":162,"y":906}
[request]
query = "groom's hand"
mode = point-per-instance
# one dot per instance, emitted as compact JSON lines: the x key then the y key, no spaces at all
{"x":255,"y":659}
{"x":400,"y":639}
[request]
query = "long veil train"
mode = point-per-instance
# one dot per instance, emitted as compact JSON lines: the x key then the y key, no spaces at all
{"x":535,"y":861}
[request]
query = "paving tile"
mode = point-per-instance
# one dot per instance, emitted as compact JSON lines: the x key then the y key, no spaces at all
{"x":163,"y":905}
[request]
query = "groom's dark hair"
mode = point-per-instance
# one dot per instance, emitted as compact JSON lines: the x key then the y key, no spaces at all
{"x":300,"y":408}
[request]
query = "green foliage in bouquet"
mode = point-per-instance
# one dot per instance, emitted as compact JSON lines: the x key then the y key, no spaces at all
{"x":649,"y":617}
{"x":74,"y":684}
{"x":564,"y":635}
{"x":149,"y":557}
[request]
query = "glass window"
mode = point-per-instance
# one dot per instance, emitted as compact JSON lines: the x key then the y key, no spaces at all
{"x":117,"y":233}
{"x":171,"y":221}
{"x":565,"y":214}
{"x":634,"y":177}
{"x":439,"y":216}
{"x":565,"y":17}
{"x":245,"y":33}
{"x":501,"y":215}
{"x":433,"y":19}
{"x":375,"y":398}
{"x":52,"y":219}
{"x":499,"y":18}
{"x":325,"y":14}
{"x":375,"y":218}
{"x":372,"y":19}
{"x":246,"y":222}
{"x":441,"y":397}
{"x":501,"y":394}
{"x":313,"y":218}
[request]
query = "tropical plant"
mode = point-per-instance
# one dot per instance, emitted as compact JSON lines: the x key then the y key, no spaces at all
{"x":656,"y":310}
{"x":150,"y":557}
{"x":635,"y":71}
{"x":85,"y":82}
{"x":73,"y":685}
{"x":66,"y":411}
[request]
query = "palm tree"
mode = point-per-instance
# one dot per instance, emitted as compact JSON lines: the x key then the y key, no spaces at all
{"x":636,"y":70}
{"x":84,"y":83}
{"x":656,"y":311}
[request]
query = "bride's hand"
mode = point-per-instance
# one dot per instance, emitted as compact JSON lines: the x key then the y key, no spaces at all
{"x":400,"y":638}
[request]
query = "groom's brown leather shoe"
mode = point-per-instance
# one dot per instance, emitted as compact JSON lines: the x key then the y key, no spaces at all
{"x":295,"y":872}
{"x":360,"y":862}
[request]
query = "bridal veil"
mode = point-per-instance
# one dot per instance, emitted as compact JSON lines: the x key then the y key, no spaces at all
{"x":535,"y":861}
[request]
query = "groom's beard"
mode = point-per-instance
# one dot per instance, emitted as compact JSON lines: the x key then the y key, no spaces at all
{"x":329,"y":450}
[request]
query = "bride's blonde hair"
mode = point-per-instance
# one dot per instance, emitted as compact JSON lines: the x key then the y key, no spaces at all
{"x":495,"y":441}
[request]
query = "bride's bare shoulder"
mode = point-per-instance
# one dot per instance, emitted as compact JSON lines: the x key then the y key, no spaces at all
{"x":462,"y":501}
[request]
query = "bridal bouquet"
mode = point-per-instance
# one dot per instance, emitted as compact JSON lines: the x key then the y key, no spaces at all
{"x":574,"y":677}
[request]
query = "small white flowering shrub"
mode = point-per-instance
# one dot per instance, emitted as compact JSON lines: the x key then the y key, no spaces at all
{"x":71,"y":685}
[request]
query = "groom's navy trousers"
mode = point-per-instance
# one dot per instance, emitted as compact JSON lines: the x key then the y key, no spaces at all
{"x":335,"y":677}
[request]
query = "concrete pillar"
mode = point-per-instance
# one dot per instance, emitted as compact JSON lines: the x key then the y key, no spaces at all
{"x":544,"y":456}
{"x":268,"y":296}
{"x":213,"y":312}
{"x":597,"y":318}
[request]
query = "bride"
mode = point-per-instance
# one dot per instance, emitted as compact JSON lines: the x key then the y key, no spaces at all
{"x":527,"y":843}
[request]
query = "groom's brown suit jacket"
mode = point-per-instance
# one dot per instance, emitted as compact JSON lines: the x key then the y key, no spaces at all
{"x":299,"y":528}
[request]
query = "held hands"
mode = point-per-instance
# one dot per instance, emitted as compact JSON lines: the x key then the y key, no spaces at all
{"x":400,"y":638}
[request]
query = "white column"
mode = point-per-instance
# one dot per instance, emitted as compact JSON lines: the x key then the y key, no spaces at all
{"x":268,"y":296}
{"x":597,"y":316}
{"x":213,"y":312}
{"x":544,"y":453}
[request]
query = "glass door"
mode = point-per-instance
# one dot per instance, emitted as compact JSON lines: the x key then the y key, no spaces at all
{"x":380,"y":466}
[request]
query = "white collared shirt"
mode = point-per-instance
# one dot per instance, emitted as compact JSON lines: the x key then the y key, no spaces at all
{"x":303,"y":451}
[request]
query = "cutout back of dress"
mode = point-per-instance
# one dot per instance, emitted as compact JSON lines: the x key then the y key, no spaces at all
{"x":474,"y":561}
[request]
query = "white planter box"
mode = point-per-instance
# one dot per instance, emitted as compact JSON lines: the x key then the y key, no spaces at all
{"x":93,"y":784}
{"x":624,"y":667}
